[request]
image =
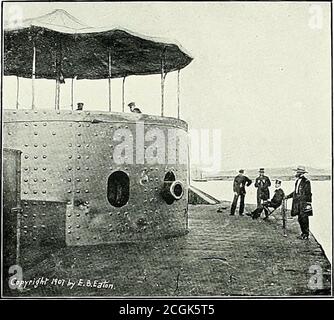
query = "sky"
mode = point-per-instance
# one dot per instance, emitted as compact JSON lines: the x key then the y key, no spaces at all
{"x":260,"y":74}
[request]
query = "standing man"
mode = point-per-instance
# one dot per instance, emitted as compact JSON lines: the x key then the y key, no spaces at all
{"x":239,"y":183}
{"x":301,"y":201}
{"x":262,"y":183}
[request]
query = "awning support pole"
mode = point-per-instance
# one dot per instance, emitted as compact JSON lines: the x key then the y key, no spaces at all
{"x":57,"y":94}
{"x":17,"y":91}
{"x":123,"y":94}
{"x":178,"y":94}
{"x":33,"y":78}
{"x":109,"y":79}
{"x":163,"y":76}
{"x":72,"y":94}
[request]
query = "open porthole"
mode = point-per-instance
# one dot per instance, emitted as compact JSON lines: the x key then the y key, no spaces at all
{"x":172,"y":189}
{"x":118,"y":189}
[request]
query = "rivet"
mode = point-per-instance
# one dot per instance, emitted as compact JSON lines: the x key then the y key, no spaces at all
{"x":44,"y":169}
{"x":87,"y":157}
{"x":69,"y":191}
{"x":78,"y":214}
{"x":78,"y":226}
{"x":78,"y":191}
{"x":87,"y":145}
{"x":25,"y":180}
{"x":69,"y":168}
{"x":79,"y":157}
{"x":70,"y":157}
{"x":79,"y":134}
{"x":44,"y":145}
{"x":70,"y":144}
{"x":44,"y":191}
{"x":35,"y":157}
{"x":35,"y":192}
{"x":9,"y":133}
{"x":26,"y":145}
{"x":35,"y":168}
{"x":78,"y":179}
{"x":87,"y":179}
{"x":44,"y":124}
{"x":44,"y":180}
{"x":78,"y":168}
{"x":35,"y":145}
{"x":87,"y":168}
{"x":44,"y":156}
{"x":26,"y":124}
{"x":26,"y":157}
{"x":35,"y":180}
{"x":35,"y":124}
{"x":35,"y":133}
{"x":87,"y":191}
{"x":69,"y":179}
{"x":53,"y":133}
{"x":78,"y":145}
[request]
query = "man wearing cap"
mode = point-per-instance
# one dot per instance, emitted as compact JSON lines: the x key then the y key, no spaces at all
{"x":301,"y":201}
{"x":133,"y":108}
{"x":80,"y":106}
{"x":274,"y":203}
{"x":239,"y":184}
{"x":262,"y":183}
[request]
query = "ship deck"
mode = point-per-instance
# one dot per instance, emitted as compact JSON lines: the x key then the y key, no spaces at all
{"x":221,"y":256}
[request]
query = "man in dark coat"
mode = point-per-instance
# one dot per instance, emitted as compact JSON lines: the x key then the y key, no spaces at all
{"x":274,"y":203}
{"x":301,"y":201}
{"x":262,"y":183}
{"x":239,"y":183}
{"x":133,"y":108}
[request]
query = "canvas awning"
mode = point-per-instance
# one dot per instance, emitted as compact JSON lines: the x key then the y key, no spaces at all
{"x":62,"y":44}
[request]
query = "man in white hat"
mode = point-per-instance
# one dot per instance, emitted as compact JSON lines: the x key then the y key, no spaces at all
{"x":301,"y":201}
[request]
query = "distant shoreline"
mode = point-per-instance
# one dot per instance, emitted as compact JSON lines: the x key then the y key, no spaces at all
{"x":283,"y":178}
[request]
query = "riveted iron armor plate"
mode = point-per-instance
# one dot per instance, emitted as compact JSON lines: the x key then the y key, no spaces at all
{"x":67,"y":156}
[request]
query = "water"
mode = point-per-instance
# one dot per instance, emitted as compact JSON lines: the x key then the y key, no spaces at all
{"x":320,"y":223}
